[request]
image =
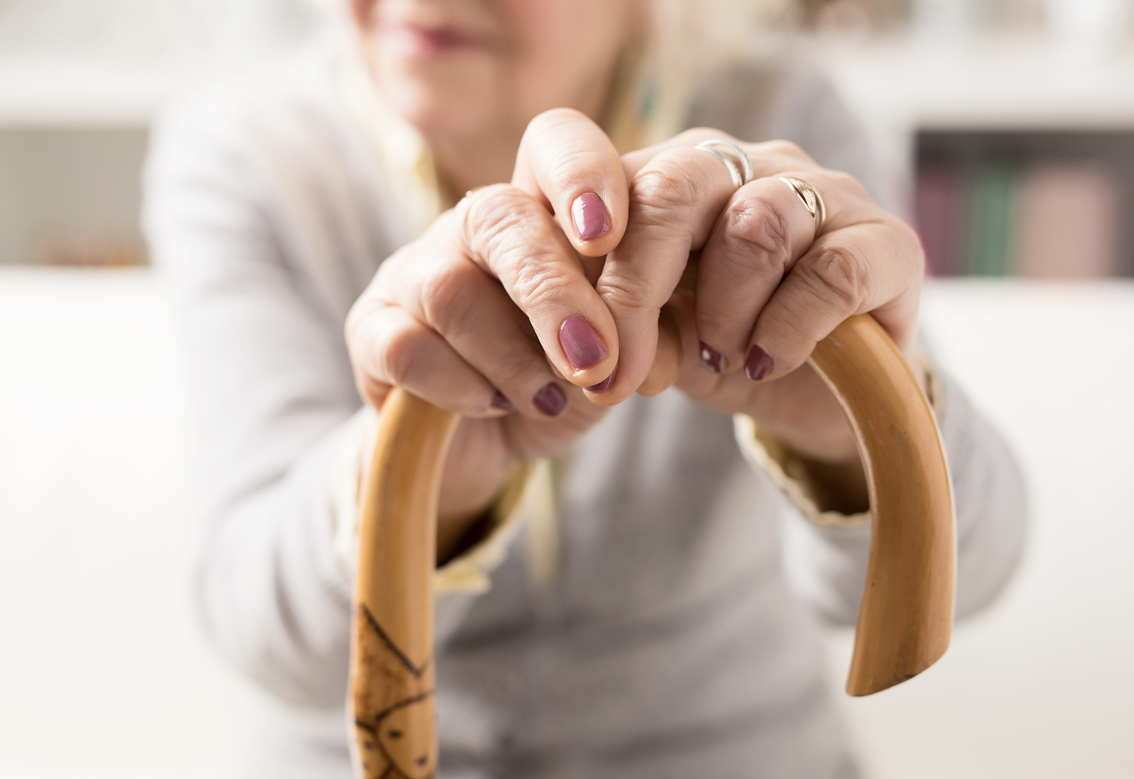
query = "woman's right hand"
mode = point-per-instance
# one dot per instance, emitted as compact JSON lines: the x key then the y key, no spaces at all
{"x":473,"y":315}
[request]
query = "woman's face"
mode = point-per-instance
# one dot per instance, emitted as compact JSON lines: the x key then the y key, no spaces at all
{"x":461,"y":70}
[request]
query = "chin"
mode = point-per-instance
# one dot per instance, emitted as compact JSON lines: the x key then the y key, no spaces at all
{"x":438,"y":112}
{"x":444,"y":94}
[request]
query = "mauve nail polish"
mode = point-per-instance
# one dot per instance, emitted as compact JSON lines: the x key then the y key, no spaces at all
{"x":502,"y":403}
{"x":711,"y":359}
{"x":604,"y":385}
{"x":550,"y":400}
{"x":758,"y":365}
{"x":580,"y":342}
{"x":589,"y":216}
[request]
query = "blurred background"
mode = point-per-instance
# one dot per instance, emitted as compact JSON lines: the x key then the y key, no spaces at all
{"x":1005,"y":129}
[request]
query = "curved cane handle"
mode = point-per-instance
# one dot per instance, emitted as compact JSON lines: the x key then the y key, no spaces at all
{"x":906,"y":616}
{"x":904,"y":622}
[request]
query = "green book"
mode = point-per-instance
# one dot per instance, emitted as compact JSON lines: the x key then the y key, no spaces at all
{"x":991,"y":219}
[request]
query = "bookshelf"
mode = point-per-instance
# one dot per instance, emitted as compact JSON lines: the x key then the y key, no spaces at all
{"x":80,"y":82}
{"x":1012,"y":154}
{"x":1038,"y":204}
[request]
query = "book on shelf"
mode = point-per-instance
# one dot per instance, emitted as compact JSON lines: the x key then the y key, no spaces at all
{"x":1038,"y":219}
{"x":938,"y":208}
{"x":1068,"y":222}
{"x":992,"y":194}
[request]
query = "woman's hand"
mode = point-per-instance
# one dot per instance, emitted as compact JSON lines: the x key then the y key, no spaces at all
{"x":768,"y":289}
{"x":473,"y":315}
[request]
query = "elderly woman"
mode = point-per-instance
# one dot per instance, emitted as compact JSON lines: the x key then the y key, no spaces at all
{"x":627,"y":585}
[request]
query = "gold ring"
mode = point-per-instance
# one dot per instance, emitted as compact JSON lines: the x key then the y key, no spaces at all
{"x":811,"y":200}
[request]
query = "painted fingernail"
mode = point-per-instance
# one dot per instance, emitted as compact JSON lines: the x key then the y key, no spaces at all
{"x":604,"y":385}
{"x":711,"y":359}
{"x":589,"y":215}
{"x":758,"y":365}
{"x":580,"y":342}
{"x":502,"y":403}
{"x":550,"y":400}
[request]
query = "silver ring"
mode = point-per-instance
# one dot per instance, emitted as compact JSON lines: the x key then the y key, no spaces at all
{"x":740,"y":175}
{"x":811,"y":200}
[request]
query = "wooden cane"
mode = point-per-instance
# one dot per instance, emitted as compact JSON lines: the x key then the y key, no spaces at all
{"x":904,"y":622}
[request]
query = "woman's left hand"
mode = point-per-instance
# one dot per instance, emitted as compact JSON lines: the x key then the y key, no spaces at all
{"x":768,"y":288}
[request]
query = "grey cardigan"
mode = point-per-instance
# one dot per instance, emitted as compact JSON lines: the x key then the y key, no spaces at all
{"x":681,"y":635}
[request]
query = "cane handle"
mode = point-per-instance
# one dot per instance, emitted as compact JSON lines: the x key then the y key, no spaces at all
{"x":904,"y":622}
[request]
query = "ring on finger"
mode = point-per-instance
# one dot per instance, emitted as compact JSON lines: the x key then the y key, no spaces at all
{"x":811,"y":200}
{"x":740,"y":174}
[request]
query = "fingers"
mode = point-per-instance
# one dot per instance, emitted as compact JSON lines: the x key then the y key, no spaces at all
{"x":472,"y":313}
{"x":477,"y":314}
{"x":567,"y":163}
{"x":868,"y":267}
{"x":513,"y":238}
{"x":390,"y":348}
{"x":449,"y":334}
{"x":675,"y":199}
{"x":754,"y":244}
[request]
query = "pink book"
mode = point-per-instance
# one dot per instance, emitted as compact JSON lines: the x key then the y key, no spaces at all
{"x":938,"y":209}
{"x":1067,"y":221}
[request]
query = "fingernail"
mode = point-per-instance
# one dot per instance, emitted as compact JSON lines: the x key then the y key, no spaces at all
{"x":580,"y":342}
{"x":589,"y":216}
{"x":502,"y":403}
{"x":711,"y":359}
{"x":604,"y":385}
{"x":758,"y":365}
{"x":550,"y":400}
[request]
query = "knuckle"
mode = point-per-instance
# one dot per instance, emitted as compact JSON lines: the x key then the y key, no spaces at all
{"x":490,"y":213}
{"x":663,"y":187}
{"x":757,"y":227}
{"x":840,"y":272}
{"x":622,"y":293}
{"x":537,"y":289}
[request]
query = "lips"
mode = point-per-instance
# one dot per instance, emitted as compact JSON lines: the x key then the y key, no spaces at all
{"x":422,"y":41}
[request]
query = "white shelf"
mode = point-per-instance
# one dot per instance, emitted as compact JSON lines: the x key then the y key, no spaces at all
{"x":906,"y":83}
{"x":117,"y":62}
{"x":49,"y":92}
